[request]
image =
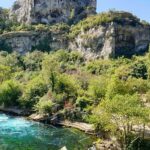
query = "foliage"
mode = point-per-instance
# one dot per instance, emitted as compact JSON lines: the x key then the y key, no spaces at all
{"x":44,"y":106}
{"x":35,"y":89}
{"x":66,"y":84}
{"x":4,"y":73}
{"x":103,"y":19}
{"x":9,"y":93}
{"x":122,"y":112}
{"x":33,"y":61}
{"x":139,"y":69}
{"x":99,"y":67}
{"x":111,"y":94}
{"x":97,"y":88}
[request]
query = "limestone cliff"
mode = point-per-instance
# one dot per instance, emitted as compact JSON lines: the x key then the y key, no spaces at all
{"x":103,"y":35}
{"x":121,"y":35}
{"x":112,"y":40}
{"x":27,"y":41}
{"x":51,"y":11}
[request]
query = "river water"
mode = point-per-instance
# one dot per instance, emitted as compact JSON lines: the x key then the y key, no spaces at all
{"x":17,"y":133}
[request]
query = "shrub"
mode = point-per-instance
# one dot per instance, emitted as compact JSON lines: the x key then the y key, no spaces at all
{"x":99,"y":67}
{"x":139,"y":69}
{"x":97,"y":88}
{"x":33,"y":90}
{"x":103,"y":19}
{"x":10,"y":92}
{"x":44,"y":106}
{"x":83,"y":102}
{"x":66,"y":84}
{"x":4,"y":73}
{"x":33,"y":61}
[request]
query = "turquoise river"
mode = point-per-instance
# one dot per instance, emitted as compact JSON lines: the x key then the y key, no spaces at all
{"x":17,"y":133}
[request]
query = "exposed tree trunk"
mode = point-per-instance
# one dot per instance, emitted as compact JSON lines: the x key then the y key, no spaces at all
{"x":143,"y":133}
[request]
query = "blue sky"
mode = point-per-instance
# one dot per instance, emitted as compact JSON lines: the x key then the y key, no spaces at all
{"x":140,"y":8}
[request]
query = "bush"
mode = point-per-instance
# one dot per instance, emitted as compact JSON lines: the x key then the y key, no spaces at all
{"x":83,"y":102}
{"x":66,"y":84}
{"x":44,"y":106}
{"x":33,"y":61}
{"x":103,"y":19}
{"x":97,"y":88}
{"x":33,"y":91}
{"x":10,"y":92}
{"x":139,"y":69}
{"x":98,"y":67}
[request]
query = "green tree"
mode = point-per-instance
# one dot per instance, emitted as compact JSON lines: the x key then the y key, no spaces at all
{"x":66,"y":84}
{"x":122,"y":112}
{"x":10,"y":92}
{"x":97,"y":88}
{"x":33,"y":91}
{"x":33,"y":61}
{"x":44,"y":106}
{"x":5,"y":73}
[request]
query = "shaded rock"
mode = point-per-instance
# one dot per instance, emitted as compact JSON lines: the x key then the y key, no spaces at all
{"x":112,"y":40}
{"x":15,"y":111}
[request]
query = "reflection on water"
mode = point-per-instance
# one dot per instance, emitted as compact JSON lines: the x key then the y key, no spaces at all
{"x":19,"y":134}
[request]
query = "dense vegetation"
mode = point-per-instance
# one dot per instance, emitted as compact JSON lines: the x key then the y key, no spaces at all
{"x":112,"y":94}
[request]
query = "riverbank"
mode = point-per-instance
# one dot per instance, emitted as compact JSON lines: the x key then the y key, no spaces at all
{"x":105,"y":144}
{"x":15,"y":111}
{"x":18,"y":133}
{"x":85,"y":127}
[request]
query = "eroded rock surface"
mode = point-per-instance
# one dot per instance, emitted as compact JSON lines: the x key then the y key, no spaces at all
{"x":51,"y":11}
{"x":26,"y":41}
{"x":112,"y":40}
{"x":107,"y":35}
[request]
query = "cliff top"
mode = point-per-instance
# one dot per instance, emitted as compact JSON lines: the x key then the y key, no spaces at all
{"x":119,"y":17}
{"x":51,"y":11}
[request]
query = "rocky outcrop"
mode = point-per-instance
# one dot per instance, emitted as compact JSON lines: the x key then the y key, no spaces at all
{"x":26,"y":41}
{"x":106,"y":35}
{"x":95,"y":42}
{"x":108,"y":145}
{"x":15,"y":111}
{"x":21,"y":42}
{"x":51,"y":11}
{"x":112,"y":40}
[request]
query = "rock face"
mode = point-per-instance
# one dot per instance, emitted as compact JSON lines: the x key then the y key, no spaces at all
{"x":51,"y":11}
{"x":26,"y":41}
{"x":111,"y":35}
{"x":112,"y":40}
{"x":95,"y":42}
